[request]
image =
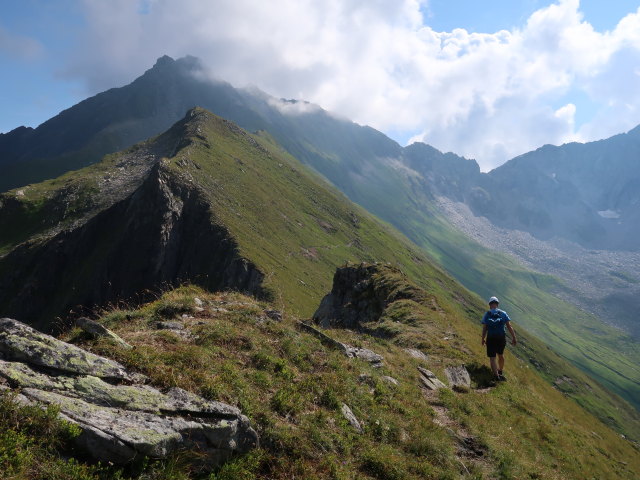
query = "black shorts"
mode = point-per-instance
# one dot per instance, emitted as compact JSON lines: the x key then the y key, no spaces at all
{"x":496,"y":345}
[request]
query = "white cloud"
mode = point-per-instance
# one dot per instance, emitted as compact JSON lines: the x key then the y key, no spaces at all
{"x":488,"y":96}
{"x":293,"y":107}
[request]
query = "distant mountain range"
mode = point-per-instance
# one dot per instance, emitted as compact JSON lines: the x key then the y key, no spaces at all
{"x":583,"y":195}
{"x":586,"y":193}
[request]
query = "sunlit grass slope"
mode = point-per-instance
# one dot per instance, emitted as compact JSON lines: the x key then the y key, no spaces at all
{"x":604,"y":352}
{"x":292,"y":387}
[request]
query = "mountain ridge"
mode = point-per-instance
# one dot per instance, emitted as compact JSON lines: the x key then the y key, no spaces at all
{"x":368,"y":168}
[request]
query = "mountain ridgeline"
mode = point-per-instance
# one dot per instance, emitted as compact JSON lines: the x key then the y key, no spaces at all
{"x":205,"y":202}
{"x":585,"y":193}
{"x":310,"y":228}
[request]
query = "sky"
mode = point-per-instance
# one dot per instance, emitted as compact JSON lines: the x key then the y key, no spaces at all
{"x":488,"y":80}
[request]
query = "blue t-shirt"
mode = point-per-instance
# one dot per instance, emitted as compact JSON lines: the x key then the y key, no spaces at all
{"x":495,"y":320}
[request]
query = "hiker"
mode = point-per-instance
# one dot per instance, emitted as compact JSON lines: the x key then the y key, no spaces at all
{"x":494,"y":336}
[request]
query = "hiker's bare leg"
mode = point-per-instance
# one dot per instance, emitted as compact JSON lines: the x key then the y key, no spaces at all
{"x":494,"y":365}
{"x":500,"y":362}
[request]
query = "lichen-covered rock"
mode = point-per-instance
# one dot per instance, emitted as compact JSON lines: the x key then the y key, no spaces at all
{"x":458,"y":378}
{"x":119,"y":420}
{"x":429,"y":380}
{"x":21,"y":343}
{"x":365,"y":354}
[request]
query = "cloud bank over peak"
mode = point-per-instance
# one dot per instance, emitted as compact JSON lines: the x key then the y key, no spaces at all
{"x":488,"y":96}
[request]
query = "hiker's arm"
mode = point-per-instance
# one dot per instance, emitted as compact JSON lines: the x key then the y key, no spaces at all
{"x":484,"y":334}
{"x":513,"y":334}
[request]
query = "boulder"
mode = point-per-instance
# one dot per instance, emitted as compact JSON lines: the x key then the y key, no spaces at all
{"x":351,"y":418}
{"x":429,"y":380}
{"x":417,"y":354}
{"x":97,"y":330}
{"x":169,"y":325}
{"x":458,"y":378}
{"x":390,"y":380}
{"x":120,"y":417}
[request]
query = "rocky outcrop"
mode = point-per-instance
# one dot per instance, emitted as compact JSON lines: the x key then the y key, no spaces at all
{"x":360,"y":294}
{"x":120,"y":417}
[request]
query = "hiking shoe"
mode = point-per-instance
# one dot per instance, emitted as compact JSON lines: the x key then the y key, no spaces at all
{"x":501,"y":378}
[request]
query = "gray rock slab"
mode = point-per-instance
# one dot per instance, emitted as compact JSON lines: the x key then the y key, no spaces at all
{"x":351,"y":418}
{"x":365,"y":354}
{"x":169,"y":325}
{"x":19,"y":342}
{"x":458,"y":377}
{"x":390,"y":380}
{"x":429,"y":380}
{"x":119,"y":422}
{"x":350,"y":351}
{"x":417,"y":354}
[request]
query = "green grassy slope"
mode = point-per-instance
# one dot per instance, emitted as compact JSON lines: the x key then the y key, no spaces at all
{"x":292,"y":387}
{"x":606,"y":353}
{"x":295,"y":229}
{"x":264,"y":199}
{"x":288,"y":221}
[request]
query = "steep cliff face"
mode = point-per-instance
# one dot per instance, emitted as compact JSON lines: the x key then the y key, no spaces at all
{"x":159,"y":235}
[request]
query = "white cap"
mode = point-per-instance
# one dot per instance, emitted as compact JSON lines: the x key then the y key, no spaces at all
{"x":494,"y":299}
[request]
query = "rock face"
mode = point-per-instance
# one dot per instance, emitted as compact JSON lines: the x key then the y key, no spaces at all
{"x":136,"y":242}
{"x":120,"y":417}
{"x":359,"y":296}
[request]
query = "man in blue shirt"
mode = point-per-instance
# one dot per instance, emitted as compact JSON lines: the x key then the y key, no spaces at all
{"x":494,"y":336}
